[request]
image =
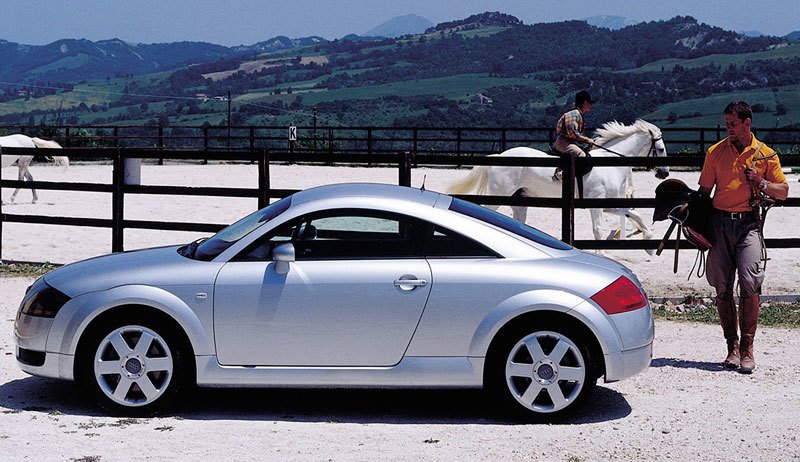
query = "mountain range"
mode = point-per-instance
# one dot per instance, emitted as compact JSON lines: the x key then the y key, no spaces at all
{"x":72,"y":60}
{"x":488,"y":69}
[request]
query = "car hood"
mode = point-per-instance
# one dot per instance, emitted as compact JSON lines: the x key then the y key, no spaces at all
{"x":161,"y":266}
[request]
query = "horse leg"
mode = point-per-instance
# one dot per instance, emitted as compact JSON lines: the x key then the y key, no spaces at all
{"x":597,"y":223}
{"x":520,"y":212}
{"x":20,"y":177}
{"x":637,"y":220}
{"x":29,"y":177}
{"x":23,"y":174}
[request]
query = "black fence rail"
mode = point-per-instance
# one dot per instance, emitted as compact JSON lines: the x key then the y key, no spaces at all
{"x":363,"y":140}
{"x":404,"y":162}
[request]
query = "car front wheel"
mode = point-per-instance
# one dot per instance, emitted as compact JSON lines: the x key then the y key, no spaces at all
{"x":542,"y":373}
{"x":132,"y":368}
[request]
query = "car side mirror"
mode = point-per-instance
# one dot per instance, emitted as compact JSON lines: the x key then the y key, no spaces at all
{"x":282,"y":255}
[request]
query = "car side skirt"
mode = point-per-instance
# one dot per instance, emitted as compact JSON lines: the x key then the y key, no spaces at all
{"x":460,"y":372}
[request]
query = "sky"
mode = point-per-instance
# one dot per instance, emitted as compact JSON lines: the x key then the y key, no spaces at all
{"x":245,"y":22}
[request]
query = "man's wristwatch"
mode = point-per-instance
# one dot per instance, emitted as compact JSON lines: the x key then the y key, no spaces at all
{"x":764,"y":184}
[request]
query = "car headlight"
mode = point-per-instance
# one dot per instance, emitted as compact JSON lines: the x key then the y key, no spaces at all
{"x":42,"y":300}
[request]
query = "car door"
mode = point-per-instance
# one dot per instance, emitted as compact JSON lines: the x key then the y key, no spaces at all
{"x":352,"y":297}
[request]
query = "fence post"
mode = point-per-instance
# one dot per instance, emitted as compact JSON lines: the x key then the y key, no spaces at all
{"x":503,"y":140}
{"x":568,"y":196}
{"x":369,"y":141}
{"x":117,"y":204}
{"x":116,"y":137}
{"x":415,"y":141}
{"x":263,"y":179}
{"x":205,"y":143}
{"x":405,"y":169}
{"x":702,"y":141}
{"x":66,"y":136}
{"x":330,"y":141}
{"x":1,"y":217}
{"x":160,"y":143}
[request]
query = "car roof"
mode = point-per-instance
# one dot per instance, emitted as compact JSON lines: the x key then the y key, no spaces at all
{"x":372,"y":190}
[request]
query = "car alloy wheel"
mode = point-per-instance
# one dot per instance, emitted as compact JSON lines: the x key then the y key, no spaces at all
{"x":545,"y":372}
{"x":133,"y":366}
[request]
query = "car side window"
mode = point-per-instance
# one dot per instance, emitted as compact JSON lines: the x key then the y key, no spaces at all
{"x":343,"y":234}
{"x":445,"y":243}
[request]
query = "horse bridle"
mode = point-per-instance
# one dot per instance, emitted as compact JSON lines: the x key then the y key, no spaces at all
{"x":650,"y":153}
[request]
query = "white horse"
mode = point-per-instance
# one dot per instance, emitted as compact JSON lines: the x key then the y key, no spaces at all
{"x":639,"y":139}
{"x":24,"y":141}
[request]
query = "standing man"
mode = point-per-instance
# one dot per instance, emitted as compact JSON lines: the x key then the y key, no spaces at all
{"x":570,"y":129}
{"x":742,"y":169}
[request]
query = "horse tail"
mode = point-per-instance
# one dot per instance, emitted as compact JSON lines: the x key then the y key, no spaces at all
{"x":61,"y":161}
{"x":40,"y":143}
{"x":476,"y":180}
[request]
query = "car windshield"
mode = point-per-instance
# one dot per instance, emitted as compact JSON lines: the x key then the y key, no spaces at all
{"x":208,"y":249}
{"x":507,"y":223}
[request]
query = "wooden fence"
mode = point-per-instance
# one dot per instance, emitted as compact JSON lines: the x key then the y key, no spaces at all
{"x":404,"y":161}
{"x":467,"y":141}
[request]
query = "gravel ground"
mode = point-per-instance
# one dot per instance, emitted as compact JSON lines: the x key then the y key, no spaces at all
{"x":685,"y":407}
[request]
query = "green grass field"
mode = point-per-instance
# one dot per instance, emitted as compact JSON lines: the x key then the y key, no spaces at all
{"x":790,"y":51}
{"x":710,"y":108}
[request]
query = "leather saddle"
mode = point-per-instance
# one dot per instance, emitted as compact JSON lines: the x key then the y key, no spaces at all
{"x":689,"y":210}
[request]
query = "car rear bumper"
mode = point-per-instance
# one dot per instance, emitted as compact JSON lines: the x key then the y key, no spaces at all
{"x":628,"y":363}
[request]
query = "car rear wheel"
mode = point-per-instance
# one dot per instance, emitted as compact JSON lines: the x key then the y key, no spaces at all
{"x":132,"y":368}
{"x":542,"y":373}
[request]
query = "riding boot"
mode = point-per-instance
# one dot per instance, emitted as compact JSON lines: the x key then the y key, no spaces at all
{"x":727,"y":318}
{"x":748,"y":320}
{"x":557,"y":174}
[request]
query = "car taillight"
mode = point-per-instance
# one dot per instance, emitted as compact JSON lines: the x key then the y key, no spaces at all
{"x":620,"y":296}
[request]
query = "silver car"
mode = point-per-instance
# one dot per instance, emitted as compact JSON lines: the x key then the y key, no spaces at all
{"x":349,"y":285}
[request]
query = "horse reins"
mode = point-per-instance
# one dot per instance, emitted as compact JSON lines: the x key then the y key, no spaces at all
{"x":761,"y":203}
{"x":650,"y":153}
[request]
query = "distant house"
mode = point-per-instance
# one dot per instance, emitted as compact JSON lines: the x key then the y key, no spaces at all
{"x":201,"y":96}
{"x":481,"y":99}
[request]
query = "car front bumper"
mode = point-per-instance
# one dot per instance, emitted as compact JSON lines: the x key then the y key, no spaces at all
{"x":30,"y":338}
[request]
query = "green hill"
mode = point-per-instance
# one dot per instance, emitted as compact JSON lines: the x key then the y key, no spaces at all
{"x":485,"y":70}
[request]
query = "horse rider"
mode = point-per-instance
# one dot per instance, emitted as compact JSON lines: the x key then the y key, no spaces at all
{"x":746,"y":174}
{"x":570,"y":130}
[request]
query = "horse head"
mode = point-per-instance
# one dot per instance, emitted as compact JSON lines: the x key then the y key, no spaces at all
{"x":658,"y":149}
{"x":640,"y":139}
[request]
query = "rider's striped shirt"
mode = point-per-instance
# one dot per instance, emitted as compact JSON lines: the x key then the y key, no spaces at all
{"x":570,"y":125}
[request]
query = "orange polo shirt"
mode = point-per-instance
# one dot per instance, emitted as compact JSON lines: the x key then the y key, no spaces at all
{"x":724,"y":167}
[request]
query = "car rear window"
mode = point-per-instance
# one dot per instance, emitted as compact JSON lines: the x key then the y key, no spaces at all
{"x":507,"y":223}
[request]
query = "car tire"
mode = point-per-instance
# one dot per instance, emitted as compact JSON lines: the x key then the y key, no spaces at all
{"x":132,"y":367}
{"x":540,"y":374}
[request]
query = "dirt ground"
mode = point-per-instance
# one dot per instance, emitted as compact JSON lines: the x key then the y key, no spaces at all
{"x":685,"y":407}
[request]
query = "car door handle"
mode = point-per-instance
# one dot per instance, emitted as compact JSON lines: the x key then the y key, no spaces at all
{"x":409,"y":284}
